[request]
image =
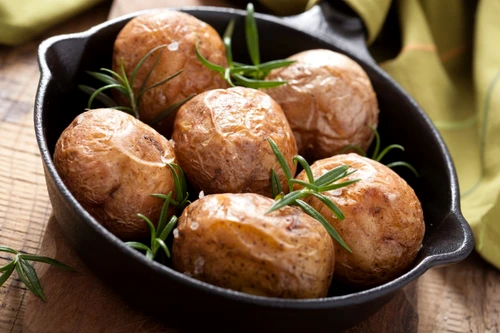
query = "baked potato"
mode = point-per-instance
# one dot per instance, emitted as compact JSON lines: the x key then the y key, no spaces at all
{"x":383,"y":226}
{"x":228,"y":240}
{"x":181,"y":32}
{"x":112,"y":163}
{"x":329,"y":102}
{"x":221,"y":141}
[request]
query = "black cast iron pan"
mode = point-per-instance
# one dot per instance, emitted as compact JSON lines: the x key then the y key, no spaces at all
{"x":184,"y":302}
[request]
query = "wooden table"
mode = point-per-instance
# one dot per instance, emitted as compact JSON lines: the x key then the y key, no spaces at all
{"x":460,"y":298}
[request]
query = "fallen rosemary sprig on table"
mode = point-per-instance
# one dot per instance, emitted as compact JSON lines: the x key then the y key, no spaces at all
{"x":314,"y":187}
{"x":125,"y":85}
{"x":158,"y":235}
{"x":238,"y":74}
{"x":26,"y":271}
{"x":378,"y":155}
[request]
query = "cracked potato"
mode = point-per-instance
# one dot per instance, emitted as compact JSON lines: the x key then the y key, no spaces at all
{"x":112,"y":163}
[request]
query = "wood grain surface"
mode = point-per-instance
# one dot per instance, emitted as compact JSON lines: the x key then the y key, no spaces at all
{"x":460,"y":298}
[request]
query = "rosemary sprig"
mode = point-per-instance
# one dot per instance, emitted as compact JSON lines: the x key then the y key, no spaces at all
{"x":26,"y":271}
{"x":124,"y":84}
{"x":378,"y":155}
{"x":238,"y":74}
{"x":314,"y":187}
{"x":159,"y":234}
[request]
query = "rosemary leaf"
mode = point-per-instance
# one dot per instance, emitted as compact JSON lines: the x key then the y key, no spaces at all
{"x":139,"y":64}
{"x":331,"y":175}
{"x":305,"y":165}
{"x":270,"y":65}
{"x":377,"y":142}
{"x":7,"y":272}
{"x":207,"y":63}
{"x":25,"y":280}
{"x":256,"y":84}
{"x":97,"y":92}
{"x":106,"y":79}
{"x":310,"y":186}
{"x":182,"y":178}
{"x":138,"y":246}
{"x":163,"y":215}
{"x":32,"y":277}
{"x":275,"y":184}
{"x":227,"y":77}
{"x":282,"y":162}
{"x":228,"y":34}
{"x":7,"y":249}
{"x":151,"y":227}
{"x":148,"y":75}
{"x":170,"y":226}
{"x":162,"y":244}
{"x":7,"y":267}
{"x":177,"y":183}
{"x":243,"y":69}
{"x":101,"y":97}
{"x":405,"y":164}
{"x":45,"y":260}
{"x":159,"y":83}
{"x":331,"y":230}
{"x":331,"y":205}
{"x":252,"y":35}
{"x":115,"y":74}
{"x":288,"y":199}
{"x":387,"y":149}
{"x":331,"y":187}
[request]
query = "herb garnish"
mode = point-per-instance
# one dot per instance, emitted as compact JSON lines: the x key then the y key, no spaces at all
{"x":313,"y":187}
{"x":26,"y":271}
{"x":238,"y":74}
{"x":124,"y":84}
{"x":378,"y":155}
{"x":159,"y":234}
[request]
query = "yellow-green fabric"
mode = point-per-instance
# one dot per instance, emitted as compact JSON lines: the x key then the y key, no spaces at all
{"x":450,"y":63}
{"x":21,"y":20}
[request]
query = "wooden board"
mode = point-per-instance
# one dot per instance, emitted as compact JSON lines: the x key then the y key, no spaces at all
{"x":459,"y":298}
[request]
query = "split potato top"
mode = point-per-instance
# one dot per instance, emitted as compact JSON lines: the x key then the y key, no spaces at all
{"x":329,"y":102}
{"x":383,"y":225}
{"x":221,"y":141}
{"x":181,"y":32}
{"x":112,"y":163}
{"x":228,"y":240}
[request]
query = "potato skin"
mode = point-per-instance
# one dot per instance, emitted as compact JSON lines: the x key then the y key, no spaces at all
{"x":328,"y":101}
{"x":112,"y":163}
{"x":228,"y":241}
{"x":144,"y":33}
{"x":383,"y":226}
{"x":221,"y":141}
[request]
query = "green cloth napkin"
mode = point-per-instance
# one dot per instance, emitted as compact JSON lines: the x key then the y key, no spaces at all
{"x":21,"y":20}
{"x":449,"y":62}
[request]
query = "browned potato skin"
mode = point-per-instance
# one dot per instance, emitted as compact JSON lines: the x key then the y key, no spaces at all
{"x":148,"y":31}
{"x":112,"y":162}
{"x":383,"y":226}
{"x":221,"y":141}
{"x":227,"y":240}
{"x":328,"y":101}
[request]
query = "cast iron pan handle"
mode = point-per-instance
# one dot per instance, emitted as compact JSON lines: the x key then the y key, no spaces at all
{"x":337,"y":22}
{"x":455,"y":238}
